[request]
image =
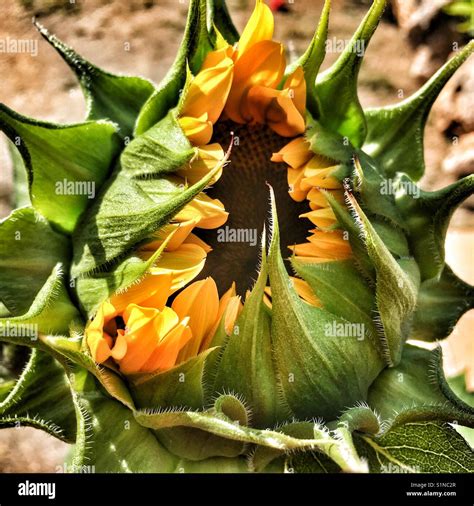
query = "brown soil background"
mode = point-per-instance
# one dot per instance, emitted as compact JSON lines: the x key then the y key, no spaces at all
{"x":101,"y":30}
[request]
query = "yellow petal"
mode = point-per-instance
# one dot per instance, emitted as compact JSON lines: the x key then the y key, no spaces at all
{"x":332,"y":240}
{"x":275,"y":108}
{"x":295,"y":176}
{"x":321,"y":178}
{"x":99,"y":348}
{"x":165,"y":355}
{"x":305,"y":292}
{"x":319,"y":162}
{"x":207,"y":159}
{"x":318,"y":199}
{"x":296,"y":85}
{"x":120,"y":346}
{"x":152,"y":291}
{"x":98,"y":341}
{"x":223,"y":303}
{"x":218,"y":57}
{"x":178,"y":231}
{"x":322,"y":218}
{"x":320,"y":250}
{"x":262,"y":65}
{"x":194,"y":239}
{"x":142,"y":326}
{"x":208,"y":91}
{"x":197,"y":130}
{"x":234,"y":308}
{"x":199,"y":301}
{"x":259,"y":27}
{"x":211,"y":212}
{"x":296,"y":153}
{"x":182,"y":265}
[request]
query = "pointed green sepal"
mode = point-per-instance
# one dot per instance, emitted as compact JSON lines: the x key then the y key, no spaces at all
{"x":427,"y":216}
{"x":66,"y":164}
{"x":343,"y":292}
{"x":441,"y":302}
{"x":50,"y":312}
{"x":108,"y":437}
{"x":29,"y":250}
{"x":336,"y":88}
{"x":118,"y":98}
{"x":396,"y":289}
{"x":195,"y":45}
{"x":179,"y":387}
{"x":219,"y":18}
{"x":125,"y":214}
{"x":247,"y":364}
{"x":96,"y":287}
{"x":322,"y":371}
{"x":41,"y":394}
{"x":312,"y":58}
{"x":416,"y":390}
{"x":161,"y":150}
{"x":395,"y":133}
{"x":372,"y":189}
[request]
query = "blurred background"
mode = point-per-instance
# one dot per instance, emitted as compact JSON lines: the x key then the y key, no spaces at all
{"x":141,"y":37}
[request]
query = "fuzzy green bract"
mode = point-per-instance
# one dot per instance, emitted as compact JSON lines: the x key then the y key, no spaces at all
{"x":281,"y":391}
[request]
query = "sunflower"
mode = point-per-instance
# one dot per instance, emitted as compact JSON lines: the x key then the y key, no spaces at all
{"x":253,"y":254}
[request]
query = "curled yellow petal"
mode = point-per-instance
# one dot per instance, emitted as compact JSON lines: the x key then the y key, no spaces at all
{"x":321,"y":178}
{"x":208,"y":91}
{"x":275,"y":108}
{"x":259,"y":27}
{"x":98,"y":341}
{"x":179,"y":232}
{"x":166,"y":353}
{"x":142,"y":329}
{"x":295,"y":177}
{"x":200,"y":302}
{"x":197,"y":130}
{"x":262,"y":65}
{"x":295,"y":84}
{"x":296,"y":153}
{"x":318,"y":199}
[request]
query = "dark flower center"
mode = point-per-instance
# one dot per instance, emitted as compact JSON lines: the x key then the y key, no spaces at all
{"x":244,"y":191}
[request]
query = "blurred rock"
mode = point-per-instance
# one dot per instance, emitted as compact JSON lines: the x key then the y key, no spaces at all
{"x":28,"y":450}
{"x":460,"y":158}
{"x":429,"y":30}
{"x":454,"y":106}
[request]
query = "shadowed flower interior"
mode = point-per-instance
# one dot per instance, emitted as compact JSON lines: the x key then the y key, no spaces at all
{"x":240,"y":91}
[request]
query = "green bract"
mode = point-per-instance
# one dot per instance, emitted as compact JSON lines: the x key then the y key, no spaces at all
{"x":280,"y":392}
